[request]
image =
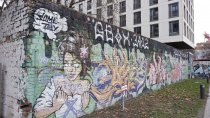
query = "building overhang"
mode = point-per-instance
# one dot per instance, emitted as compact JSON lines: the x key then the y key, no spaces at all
{"x":180,"y":45}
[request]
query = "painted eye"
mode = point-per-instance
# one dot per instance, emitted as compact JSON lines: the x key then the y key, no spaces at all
{"x":67,"y":65}
{"x":76,"y":65}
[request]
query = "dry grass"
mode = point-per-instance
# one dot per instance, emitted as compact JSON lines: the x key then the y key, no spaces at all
{"x":179,"y":100}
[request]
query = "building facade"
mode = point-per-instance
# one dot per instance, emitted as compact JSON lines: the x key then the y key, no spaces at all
{"x":167,"y":21}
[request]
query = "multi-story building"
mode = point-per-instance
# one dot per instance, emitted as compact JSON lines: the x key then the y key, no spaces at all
{"x":167,"y":21}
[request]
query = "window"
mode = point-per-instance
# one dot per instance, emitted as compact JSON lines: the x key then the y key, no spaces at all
{"x":89,"y":13}
{"x":154,"y":30}
{"x":110,"y":20}
{"x":191,"y":9}
{"x":137,"y":17}
{"x":187,"y":16}
{"x":122,"y":6}
{"x":80,"y":7}
{"x":98,"y":13}
{"x":153,"y":2}
{"x":185,"y":29}
{"x":173,"y":28}
{"x":189,"y":21}
{"x":109,"y":1}
{"x":110,"y":10}
{"x":173,"y":10}
{"x":136,"y":4}
{"x":137,"y":30}
{"x":184,"y":12}
{"x":99,"y":3}
{"x":154,"y":14}
{"x":187,"y":3}
{"x":88,"y":4}
{"x":122,"y":20}
{"x":187,"y":32}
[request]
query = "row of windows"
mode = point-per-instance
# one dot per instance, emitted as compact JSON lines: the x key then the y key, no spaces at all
{"x":173,"y":9}
{"x":136,"y":3}
{"x":154,"y":29}
{"x":188,"y":33}
{"x":173,"y":29}
{"x":173,"y":12}
{"x":188,"y":18}
{"x":189,"y":4}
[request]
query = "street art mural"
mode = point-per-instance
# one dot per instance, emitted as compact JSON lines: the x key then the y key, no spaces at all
{"x":86,"y":67}
{"x":201,"y":68}
{"x":73,"y":64}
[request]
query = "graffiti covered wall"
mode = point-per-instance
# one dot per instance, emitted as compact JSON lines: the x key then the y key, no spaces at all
{"x":81,"y":64}
{"x":70,"y":64}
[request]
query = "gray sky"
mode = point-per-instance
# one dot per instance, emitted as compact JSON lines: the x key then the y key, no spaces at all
{"x":1,"y":2}
{"x":201,"y":19}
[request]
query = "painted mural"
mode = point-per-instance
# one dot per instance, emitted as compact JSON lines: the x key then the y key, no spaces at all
{"x":201,"y":68}
{"x":78,"y":66}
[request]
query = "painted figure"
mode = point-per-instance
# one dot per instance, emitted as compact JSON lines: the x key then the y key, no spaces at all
{"x":66,"y":95}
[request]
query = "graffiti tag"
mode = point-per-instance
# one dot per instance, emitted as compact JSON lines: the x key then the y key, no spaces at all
{"x":105,"y":33}
{"x":49,"y":22}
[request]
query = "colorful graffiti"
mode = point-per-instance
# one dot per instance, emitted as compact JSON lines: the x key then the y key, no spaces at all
{"x":87,"y":70}
{"x":72,"y":64}
{"x":201,"y":68}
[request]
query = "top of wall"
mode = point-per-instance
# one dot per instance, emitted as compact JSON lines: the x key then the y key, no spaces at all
{"x":14,"y":21}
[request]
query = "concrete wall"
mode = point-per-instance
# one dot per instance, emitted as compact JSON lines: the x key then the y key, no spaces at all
{"x":13,"y":28}
{"x":70,"y":64}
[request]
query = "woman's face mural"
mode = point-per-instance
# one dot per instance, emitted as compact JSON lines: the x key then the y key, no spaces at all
{"x":72,"y":66}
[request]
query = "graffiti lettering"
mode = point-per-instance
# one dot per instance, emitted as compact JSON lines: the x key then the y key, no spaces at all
{"x":126,"y":39}
{"x":109,"y":34}
{"x":118,"y":37}
{"x":50,"y":26}
{"x":106,"y":33}
{"x":99,"y":31}
{"x":49,"y":22}
{"x":46,"y":18}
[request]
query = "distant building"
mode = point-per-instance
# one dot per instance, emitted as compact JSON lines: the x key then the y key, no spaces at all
{"x":167,"y":21}
{"x":202,"y":51}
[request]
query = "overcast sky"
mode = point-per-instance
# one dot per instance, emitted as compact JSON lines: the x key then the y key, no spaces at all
{"x":1,"y":2}
{"x":201,"y":19}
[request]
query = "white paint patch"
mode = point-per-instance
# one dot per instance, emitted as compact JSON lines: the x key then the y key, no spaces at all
{"x":49,"y":22}
{"x":12,"y":57}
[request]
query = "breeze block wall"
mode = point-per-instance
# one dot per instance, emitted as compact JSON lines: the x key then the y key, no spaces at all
{"x":62,"y":63}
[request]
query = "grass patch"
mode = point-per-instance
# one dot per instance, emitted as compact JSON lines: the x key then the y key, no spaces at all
{"x":179,"y":100}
